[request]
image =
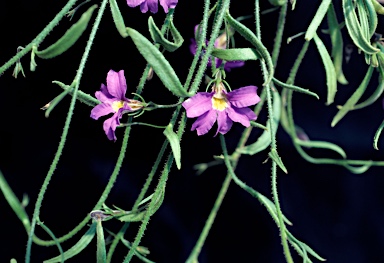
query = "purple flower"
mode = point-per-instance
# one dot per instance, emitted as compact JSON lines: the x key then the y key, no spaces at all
{"x":224,"y":107}
{"x":113,"y":100}
{"x":220,"y":43}
{"x":152,"y":5}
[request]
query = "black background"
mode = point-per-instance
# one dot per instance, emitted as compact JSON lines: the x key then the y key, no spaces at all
{"x":340,"y":215}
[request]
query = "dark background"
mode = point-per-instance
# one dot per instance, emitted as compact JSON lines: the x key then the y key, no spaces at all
{"x":340,"y":215}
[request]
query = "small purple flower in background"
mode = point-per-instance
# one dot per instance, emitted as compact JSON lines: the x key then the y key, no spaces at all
{"x":113,"y":100}
{"x":152,"y":5}
{"x":220,"y":43}
{"x":224,"y":107}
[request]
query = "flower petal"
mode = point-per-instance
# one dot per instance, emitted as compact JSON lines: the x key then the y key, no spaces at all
{"x":243,"y":97}
{"x":110,"y":125}
{"x":205,"y":122}
{"x":223,"y":122}
{"x":198,"y":104}
{"x":241,"y":115}
{"x":193,"y":46}
{"x":134,"y":3}
{"x":233,"y":64}
{"x":116,"y":84}
{"x":149,"y":4}
{"x":103,"y":95}
{"x":168,"y":4}
{"x":101,"y":110}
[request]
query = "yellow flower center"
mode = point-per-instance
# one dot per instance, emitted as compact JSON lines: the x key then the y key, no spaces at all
{"x":116,"y":105}
{"x":219,"y":103}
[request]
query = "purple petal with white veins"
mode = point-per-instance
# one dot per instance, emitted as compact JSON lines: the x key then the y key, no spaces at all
{"x":103,"y":95}
{"x":116,"y":84}
{"x":168,"y":4}
{"x":242,"y":115}
{"x":198,"y":104}
{"x":205,"y":122}
{"x":223,"y":122}
{"x":243,"y":97}
{"x":110,"y":125}
{"x":134,"y":3}
{"x":149,"y":4}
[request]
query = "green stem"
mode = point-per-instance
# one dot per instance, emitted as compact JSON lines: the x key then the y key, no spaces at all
{"x":282,"y":228}
{"x":55,"y":161}
{"x":279,"y":33}
{"x":215,"y":32}
{"x":40,"y":37}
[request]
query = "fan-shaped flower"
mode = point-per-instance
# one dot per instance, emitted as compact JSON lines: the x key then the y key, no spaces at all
{"x":113,"y":100}
{"x":224,"y":107}
{"x":152,"y":5}
{"x":220,"y":43}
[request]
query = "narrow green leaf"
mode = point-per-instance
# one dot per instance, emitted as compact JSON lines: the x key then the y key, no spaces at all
{"x":118,"y":18}
{"x":377,"y":136}
{"x":50,"y":233}
{"x":294,"y":88}
{"x":175,"y":144}
{"x":372,"y":17}
{"x":329,"y":70}
{"x":363,"y":19}
{"x":378,"y":7}
{"x":380,"y":59}
{"x":354,"y":29}
{"x":337,"y":44}
{"x":69,"y":38}
{"x":277,"y":2}
{"x":55,"y":101}
{"x":260,"y":48}
{"x":132,"y":217}
{"x":258,"y":125}
{"x":354,"y":98}
{"x":101,"y":254}
{"x":276,"y":158}
{"x":360,"y":169}
{"x":158,"y":37}
{"x":319,"y":16}
{"x":271,"y":207}
{"x":236,"y":54}
{"x":78,"y":247}
{"x":374,"y":97}
{"x":322,"y":145}
{"x":81,"y":96}
{"x":265,"y":139}
{"x":304,"y":246}
{"x":158,"y":62}
{"x":14,"y":202}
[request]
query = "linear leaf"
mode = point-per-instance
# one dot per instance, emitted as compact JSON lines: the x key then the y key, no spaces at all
{"x":175,"y":144}
{"x":337,"y":44}
{"x":69,"y":38}
{"x":294,"y":88}
{"x":354,"y":29}
{"x":158,"y":62}
{"x":351,"y":102}
{"x":158,"y":37}
{"x":265,"y":138}
{"x":78,"y":247}
{"x":319,"y":16}
{"x":236,"y":54}
{"x":329,"y":70}
{"x":260,"y":48}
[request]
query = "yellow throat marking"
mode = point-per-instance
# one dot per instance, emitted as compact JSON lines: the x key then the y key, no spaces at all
{"x":219,"y":103}
{"x":116,"y":105}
